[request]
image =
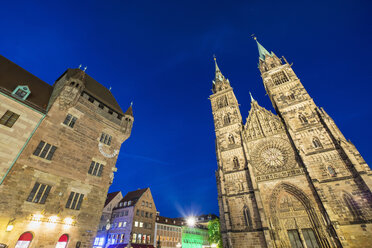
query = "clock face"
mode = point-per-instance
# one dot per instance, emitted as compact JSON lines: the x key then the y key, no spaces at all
{"x":272,"y":156}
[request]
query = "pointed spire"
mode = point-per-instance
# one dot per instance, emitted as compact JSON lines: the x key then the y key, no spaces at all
{"x":261,"y":50}
{"x":129,"y":110}
{"x":215,"y":62}
{"x":252,"y":99}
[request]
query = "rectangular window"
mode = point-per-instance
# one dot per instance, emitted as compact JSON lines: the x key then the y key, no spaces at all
{"x":70,"y":120}
{"x":9,"y":118}
{"x":74,"y":201}
{"x":126,"y":212}
{"x":134,"y":238}
{"x":294,"y":238}
{"x":106,"y":139}
{"x":310,"y":240}
{"x":95,"y":169}
{"x":141,"y":224}
{"x":137,"y":212}
{"x":39,"y":193}
{"x":45,"y":150}
{"x":136,"y":223}
{"x":142,"y":213}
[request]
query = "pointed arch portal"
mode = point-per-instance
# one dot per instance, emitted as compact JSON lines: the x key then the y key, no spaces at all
{"x":294,"y":219}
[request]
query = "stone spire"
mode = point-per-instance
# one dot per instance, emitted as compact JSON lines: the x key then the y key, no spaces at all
{"x":250,"y":94}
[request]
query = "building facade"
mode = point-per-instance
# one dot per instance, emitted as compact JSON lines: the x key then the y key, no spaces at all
{"x":133,"y":221}
{"x":194,"y":237}
{"x":112,"y":201}
{"x":168,"y":232}
{"x":291,"y":179}
{"x":53,"y":191}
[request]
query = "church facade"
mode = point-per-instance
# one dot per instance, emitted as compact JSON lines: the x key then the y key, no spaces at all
{"x":289,"y":179}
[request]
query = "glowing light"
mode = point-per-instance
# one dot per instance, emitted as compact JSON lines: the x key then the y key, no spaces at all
{"x":37,"y":217}
{"x":214,"y":245}
{"x":68,"y":221}
{"x":9,"y":228}
{"x":191,"y":221}
{"x":53,"y":219}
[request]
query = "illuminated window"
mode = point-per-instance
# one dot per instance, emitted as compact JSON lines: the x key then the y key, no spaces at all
{"x":62,"y":242}
{"x":136,"y":223}
{"x":141,"y":224}
{"x":24,"y":240}
{"x":9,"y":118}
{"x":39,"y":193}
{"x":134,"y":239}
{"x":45,"y":150}
{"x":70,"y":120}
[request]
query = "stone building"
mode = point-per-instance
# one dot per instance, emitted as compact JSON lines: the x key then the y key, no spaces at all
{"x":289,"y":179}
{"x":168,"y":232}
{"x":133,"y":221}
{"x":112,"y":201}
{"x":66,"y":141}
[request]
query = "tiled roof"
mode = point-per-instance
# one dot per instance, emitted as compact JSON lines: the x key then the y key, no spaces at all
{"x":12,"y":75}
{"x":169,"y":221}
{"x":110,"y":197}
{"x":133,"y":196}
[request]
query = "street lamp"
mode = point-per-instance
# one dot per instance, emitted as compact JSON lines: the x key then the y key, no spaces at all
{"x":214,"y":245}
{"x":191,"y":221}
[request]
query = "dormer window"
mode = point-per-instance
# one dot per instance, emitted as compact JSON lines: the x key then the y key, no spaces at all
{"x":22,"y":92}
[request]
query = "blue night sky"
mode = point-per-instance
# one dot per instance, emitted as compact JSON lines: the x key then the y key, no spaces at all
{"x":158,"y":54}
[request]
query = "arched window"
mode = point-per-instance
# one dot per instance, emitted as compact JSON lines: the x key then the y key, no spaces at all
{"x":231,"y":139}
{"x":303,"y":119}
{"x":24,"y":240}
{"x":331,"y":171}
{"x":316,"y":143}
{"x":227,"y":119}
{"x":62,"y":242}
{"x":236,"y":163}
{"x":353,"y":207}
{"x":247,"y":216}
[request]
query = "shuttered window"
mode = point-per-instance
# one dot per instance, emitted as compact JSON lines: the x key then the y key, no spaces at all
{"x":294,"y":238}
{"x":74,"y":201}
{"x":39,"y":193}
{"x":9,"y":118}
{"x":95,"y":169}
{"x":45,"y":150}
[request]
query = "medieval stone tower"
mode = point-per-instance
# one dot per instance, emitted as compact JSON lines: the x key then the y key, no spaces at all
{"x":291,"y":179}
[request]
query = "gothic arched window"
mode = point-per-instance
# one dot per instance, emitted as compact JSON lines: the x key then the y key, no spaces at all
{"x":331,"y":171}
{"x":236,"y":163}
{"x":303,"y":119}
{"x":247,"y":216}
{"x":231,"y":139}
{"x":316,"y":143}
{"x":227,"y":119}
{"x":352,"y":206}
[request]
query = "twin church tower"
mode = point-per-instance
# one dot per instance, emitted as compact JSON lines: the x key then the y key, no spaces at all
{"x":291,"y":179}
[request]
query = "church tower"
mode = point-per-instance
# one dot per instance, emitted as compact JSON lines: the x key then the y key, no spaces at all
{"x":291,"y":179}
{"x":240,"y":221}
{"x":336,"y":170}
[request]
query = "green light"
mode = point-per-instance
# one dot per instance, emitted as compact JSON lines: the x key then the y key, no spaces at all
{"x":194,"y":237}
